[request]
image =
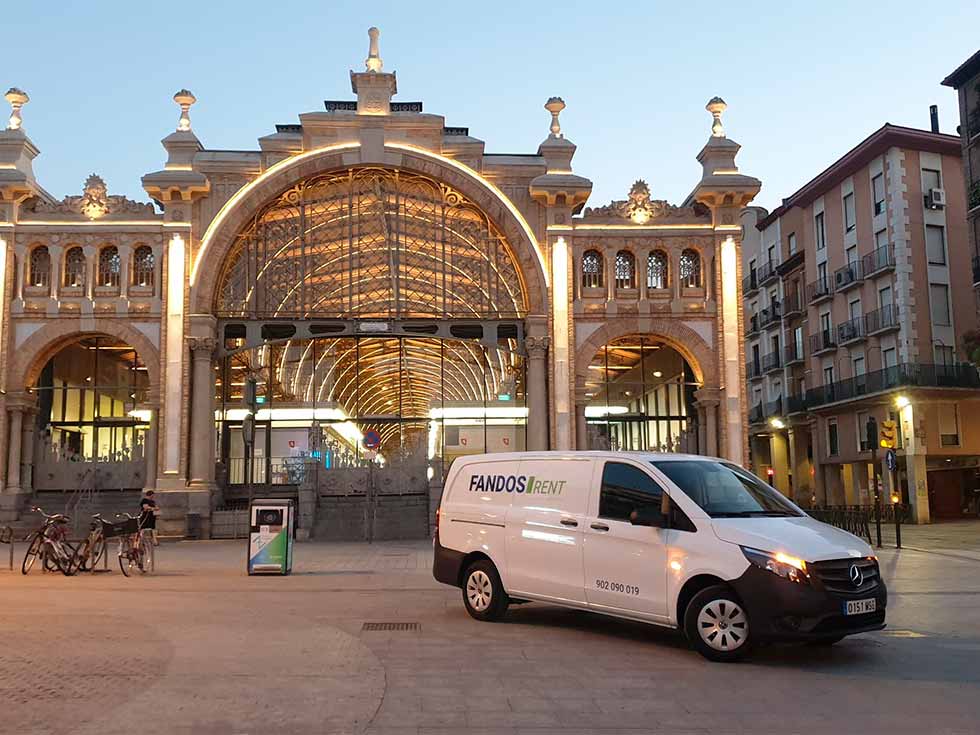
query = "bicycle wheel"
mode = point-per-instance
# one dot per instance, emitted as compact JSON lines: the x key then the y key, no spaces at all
{"x":98,"y":551}
{"x":90,"y":553}
{"x":66,"y":559}
{"x":125,"y":559}
{"x":33,"y":552}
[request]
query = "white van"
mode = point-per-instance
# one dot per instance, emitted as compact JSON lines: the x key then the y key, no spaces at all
{"x":682,"y":541}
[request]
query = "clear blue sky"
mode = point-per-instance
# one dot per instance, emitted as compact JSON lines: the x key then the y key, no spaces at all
{"x":804,"y":81}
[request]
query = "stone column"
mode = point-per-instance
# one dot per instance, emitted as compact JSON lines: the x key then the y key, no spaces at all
{"x":709,"y":399}
{"x":537,"y":392}
{"x":27,"y":451}
{"x":150,"y":451}
{"x":581,"y":427}
{"x":202,"y":413}
{"x":16,"y":415}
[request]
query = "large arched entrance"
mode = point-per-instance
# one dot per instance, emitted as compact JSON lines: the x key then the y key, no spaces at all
{"x":368,"y":303}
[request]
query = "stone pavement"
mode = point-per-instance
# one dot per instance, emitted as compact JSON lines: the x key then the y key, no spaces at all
{"x":201,"y":648}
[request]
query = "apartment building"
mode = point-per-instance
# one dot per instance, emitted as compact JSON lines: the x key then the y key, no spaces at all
{"x":857,"y":289}
{"x":966,"y":81}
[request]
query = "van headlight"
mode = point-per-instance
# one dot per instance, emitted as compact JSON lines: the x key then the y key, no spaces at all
{"x":783,"y":565}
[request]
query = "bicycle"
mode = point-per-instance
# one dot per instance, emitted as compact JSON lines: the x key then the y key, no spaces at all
{"x":135,"y":545}
{"x":93,"y":546}
{"x":50,"y":542}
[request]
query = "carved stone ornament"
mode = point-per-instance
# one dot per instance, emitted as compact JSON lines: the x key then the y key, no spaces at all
{"x":202,"y":346}
{"x":94,"y":203}
{"x":537,"y":346}
{"x":640,"y":209}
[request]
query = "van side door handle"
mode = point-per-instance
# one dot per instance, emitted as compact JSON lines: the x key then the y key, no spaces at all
{"x":599,"y":526}
{"x":569,"y":522}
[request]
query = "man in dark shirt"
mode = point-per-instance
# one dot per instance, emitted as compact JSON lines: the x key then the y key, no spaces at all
{"x":148,"y":515}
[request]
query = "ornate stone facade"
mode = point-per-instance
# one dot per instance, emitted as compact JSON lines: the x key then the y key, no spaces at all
{"x":150,"y":275}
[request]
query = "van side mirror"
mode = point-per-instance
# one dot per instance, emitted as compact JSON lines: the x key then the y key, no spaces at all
{"x":648,"y":517}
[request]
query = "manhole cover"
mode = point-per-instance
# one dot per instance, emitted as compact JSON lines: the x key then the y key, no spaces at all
{"x":392,"y":626}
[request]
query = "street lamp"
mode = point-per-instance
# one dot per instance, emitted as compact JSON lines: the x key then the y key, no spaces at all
{"x":902,"y":401}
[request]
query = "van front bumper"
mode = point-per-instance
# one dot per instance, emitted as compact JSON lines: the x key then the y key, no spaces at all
{"x":781,"y":610}
{"x":446,"y":564}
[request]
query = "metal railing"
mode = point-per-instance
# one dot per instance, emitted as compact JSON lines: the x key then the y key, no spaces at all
{"x":752,"y":325}
{"x":907,"y":374}
{"x":851,"y":274}
{"x":753,"y":369}
{"x":793,"y":353}
{"x":878,"y":260}
{"x":771,"y":362}
{"x":772,"y":315}
{"x":851,"y":330}
{"x":766,"y":272}
{"x":281,"y":470}
{"x":881,"y":319}
{"x":792,"y":303}
{"x":819,"y":289}
{"x":750,"y":282}
{"x":854,"y":519}
{"x":822,"y":340}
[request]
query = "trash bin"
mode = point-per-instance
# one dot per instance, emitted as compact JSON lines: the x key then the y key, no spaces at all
{"x":270,"y":537}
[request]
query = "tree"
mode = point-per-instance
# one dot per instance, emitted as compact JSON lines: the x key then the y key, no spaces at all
{"x":971,"y":345}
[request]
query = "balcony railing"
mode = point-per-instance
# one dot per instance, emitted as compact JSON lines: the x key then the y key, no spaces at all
{"x":850,"y":275}
{"x":903,"y":375}
{"x":771,"y":362}
{"x":976,"y":269}
{"x":752,"y":325}
{"x":818,"y":290}
{"x":756,"y":413}
{"x":774,"y":408}
{"x":795,"y":403}
{"x":770,"y":316}
{"x":793,"y":353}
{"x":881,"y":319}
{"x":766,"y":273}
{"x":750,"y":282}
{"x":792,"y":303}
{"x":822,"y":341}
{"x":851,"y":330}
{"x":753,"y":369}
{"x":878,"y":260}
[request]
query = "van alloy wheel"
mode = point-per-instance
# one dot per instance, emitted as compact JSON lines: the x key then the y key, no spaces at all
{"x":479,"y":590}
{"x":722,"y":625}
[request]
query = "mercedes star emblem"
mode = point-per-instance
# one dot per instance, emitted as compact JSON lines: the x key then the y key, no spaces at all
{"x":856,"y":575}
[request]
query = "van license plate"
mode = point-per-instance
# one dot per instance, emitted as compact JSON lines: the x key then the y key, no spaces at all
{"x":860,"y":607}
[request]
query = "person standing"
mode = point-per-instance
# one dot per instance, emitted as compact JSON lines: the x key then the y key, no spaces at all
{"x":149,"y":510}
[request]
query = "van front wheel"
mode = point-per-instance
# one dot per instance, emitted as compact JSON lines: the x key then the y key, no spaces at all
{"x":483,"y":593}
{"x":717,"y":625}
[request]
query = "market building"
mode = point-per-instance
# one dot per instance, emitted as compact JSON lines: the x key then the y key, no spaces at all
{"x":857,"y":290}
{"x":396,"y":294}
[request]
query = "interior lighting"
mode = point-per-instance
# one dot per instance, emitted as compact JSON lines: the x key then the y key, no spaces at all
{"x":598,"y":411}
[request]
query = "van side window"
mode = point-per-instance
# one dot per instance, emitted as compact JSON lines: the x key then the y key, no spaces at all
{"x":626,"y":488}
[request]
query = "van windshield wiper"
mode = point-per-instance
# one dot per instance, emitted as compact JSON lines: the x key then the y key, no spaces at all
{"x":753,"y":514}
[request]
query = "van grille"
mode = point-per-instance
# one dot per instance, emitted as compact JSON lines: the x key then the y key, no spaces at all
{"x":835,"y":575}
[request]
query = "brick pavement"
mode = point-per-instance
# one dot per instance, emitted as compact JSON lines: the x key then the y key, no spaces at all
{"x":201,"y":648}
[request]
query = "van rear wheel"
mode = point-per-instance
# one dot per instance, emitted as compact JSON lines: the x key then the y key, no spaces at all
{"x":483,"y":592}
{"x":717,"y":625}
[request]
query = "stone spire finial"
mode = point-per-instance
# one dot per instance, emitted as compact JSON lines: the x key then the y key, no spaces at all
{"x":555,"y":105}
{"x":185,"y":99}
{"x":17,"y":99}
{"x":373,"y":61}
{"x":716,"y":106}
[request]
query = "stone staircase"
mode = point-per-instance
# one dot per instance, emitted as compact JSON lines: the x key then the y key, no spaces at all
{"x":80,"y":507}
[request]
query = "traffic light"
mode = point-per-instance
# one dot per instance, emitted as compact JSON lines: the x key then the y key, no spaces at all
{"x":888,"y":434}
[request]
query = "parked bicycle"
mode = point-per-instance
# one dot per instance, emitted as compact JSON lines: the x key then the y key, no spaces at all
{"x":93,"y":546}
{"x":135,"y":545}
{"x":50,"y":544}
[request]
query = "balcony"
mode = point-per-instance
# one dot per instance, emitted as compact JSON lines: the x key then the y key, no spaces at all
{"x":823,"y":341}
{"x":795,"y":404}
{"x":818,"y":291}
{"x":881,"y":320}
{"x":756,"y":414}
{"x":753,"y":369}
{"x":771,"y":316}
{"x":751,"y":325}
{"x":878,"y":261}
{"x":774,"y":408}
{"x":904,"y":375}
{"x":851,"y":331}
{"x":766,"y":273}
{"x":793,"y":353}
{"x":976,"y":270}
{"x":750,"y":283}
{"x":792,"y":303}
{"x":771,"y":362}
{"x":849,"y":276}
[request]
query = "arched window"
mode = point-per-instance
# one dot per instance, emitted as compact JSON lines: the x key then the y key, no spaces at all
{"x":39,"y":274}
{"x":625,"y":270}
{"x":109,"y":266}
{"x":143,"y":266}
{"x":75,"y":268}
{"x":690,"y":269}
{"x":591,"y":269}
{"x":657,"y":269}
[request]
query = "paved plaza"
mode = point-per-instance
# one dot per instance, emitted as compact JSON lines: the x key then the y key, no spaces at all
{"x":201,"y":648}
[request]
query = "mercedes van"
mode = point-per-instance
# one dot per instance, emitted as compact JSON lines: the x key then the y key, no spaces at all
{"x":689,"y":542}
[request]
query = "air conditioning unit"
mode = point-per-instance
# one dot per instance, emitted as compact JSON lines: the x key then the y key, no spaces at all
{"x":936,"y":199}
{"x":841,"y":278}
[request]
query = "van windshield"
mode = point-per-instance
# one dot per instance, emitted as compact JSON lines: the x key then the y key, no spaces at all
{"x":726,"y":491}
